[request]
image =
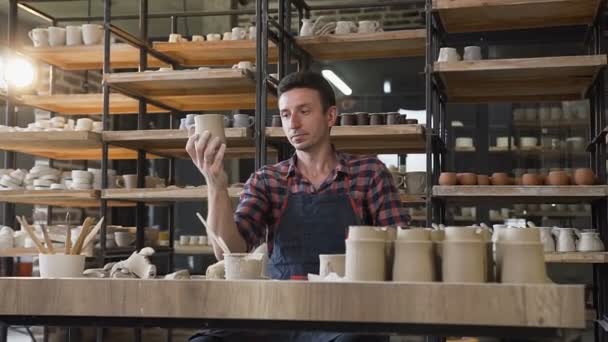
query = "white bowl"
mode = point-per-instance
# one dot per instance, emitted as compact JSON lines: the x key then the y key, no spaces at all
{"x":464,"y":142}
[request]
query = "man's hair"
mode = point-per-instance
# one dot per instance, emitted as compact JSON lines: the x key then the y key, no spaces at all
{"x":310,"y":80}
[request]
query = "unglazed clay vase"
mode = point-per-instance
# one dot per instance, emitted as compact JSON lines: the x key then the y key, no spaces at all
{"x":557,"y":178}
{"x":367,"y":232}
{"x":414,"y":234}
{"x":483,"y":180}
{"x":531,"y":179}
{"x":500,"y":178}
{"x":467,"y":179}
{"x":584,"y":177}
{"x":414,"y":261}
{"x":332,"y":263}
{"x":523,"y":263}
{"x":531,"y":235}
{"x":462,"y":234}
{"x":365,"y":260}
{"x":463,"y":262}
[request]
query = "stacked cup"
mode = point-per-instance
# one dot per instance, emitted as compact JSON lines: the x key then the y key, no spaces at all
{"x":464,"y":255}
{"x":520,"y":257}
{"x":414,"y":255}
{"x":366,"y":253}
{"x":97,"y":178}
{"x":42,"y":177}
{"x":81,"y":180}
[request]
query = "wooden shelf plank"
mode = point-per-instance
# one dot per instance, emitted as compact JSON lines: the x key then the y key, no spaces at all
{"x":192,"y":250}
{"x":151,"y":195}
{"x":496,"y":15}
{"x":190,"y":90}
{"x":172,"y":143}
{"x":89,"y":57}
{"x":577,"y":257}
{"x":58,"y":198}
{"x":85,"y":104}
{"x":17,"y":252}
{"x":522,"y":194}
{"x":411,"y":199}
{"x":220,"y":52}
{"x":491,"y":305}
{"x":370,"y":139}
{"x":65,"y":145}
{"x":392,"y":44}
{"x":521,"y":79}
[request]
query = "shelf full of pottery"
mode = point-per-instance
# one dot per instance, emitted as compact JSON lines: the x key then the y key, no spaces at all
{"x":40,"y":239}
{"x":550,"y":146}
{"x":329,"y":39}
{"x":476,"y":80}
{"x":564,"y":115}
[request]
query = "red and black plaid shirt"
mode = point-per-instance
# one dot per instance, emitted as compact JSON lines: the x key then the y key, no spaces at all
{"x":371,"y":187}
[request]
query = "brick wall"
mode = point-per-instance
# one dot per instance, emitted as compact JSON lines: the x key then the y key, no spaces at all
{"x":401,"y":17}
{"x":69,"y":82}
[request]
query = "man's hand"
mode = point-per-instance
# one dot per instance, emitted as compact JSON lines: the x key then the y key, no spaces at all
{"x":208,"y":156}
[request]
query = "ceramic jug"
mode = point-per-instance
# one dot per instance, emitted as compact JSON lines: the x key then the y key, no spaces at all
{"x":589,"y":241}
{"x":565,"y":239}
{"x":307,"y":28}
{"x":546,"y":238}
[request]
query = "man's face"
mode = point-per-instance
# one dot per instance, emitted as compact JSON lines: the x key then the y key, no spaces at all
{"x":304,"y":122}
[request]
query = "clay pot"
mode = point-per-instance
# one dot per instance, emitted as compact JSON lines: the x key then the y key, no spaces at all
{"x":500,"y":178}
{"x":530,"y":179}
{"x":414,"y":261}
{"x":483,"y":180}
{"x":467,"y":179}
{"x":558,"y":178}
{"x":448,"y":178}
{"x":584,"y":177}
{"x":516,"y":181}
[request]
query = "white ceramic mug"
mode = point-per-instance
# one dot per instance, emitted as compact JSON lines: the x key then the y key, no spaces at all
{"x":198,"y":38}
{"x":214,"y":36}
{"x":243,"y":266}
{"x":243,"y":120}
{"x":124,"y":239}
{"x":73,"y":35}
{"x":56,"y":36}
{"x":61,"y":265}
{"x":238,"y":33}
{"x":92,"y":34}
{"x":329,"y":263}
{"x":127,"y":181}
{"x":448,"y":54}
{"x":472,"y":53}
{"x":39,"y":36}
{"x":252,"y":33}
{"x":345,"y":27}
{"x":175,"y":38}
{"x":214,"y":123}
{"x":369,"y":26}
{"x":227,"y":36}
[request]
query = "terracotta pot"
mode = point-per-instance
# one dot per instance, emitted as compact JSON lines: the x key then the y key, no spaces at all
{"x":530,"y":179}
{"x":558,"y":178}
{"x":516,"y":181}
{"x":584,"y":177}
{"x":483,"y":180}
{"x":448,"y":178}
{"x":467,"y":179}
{"x":500,"y":178}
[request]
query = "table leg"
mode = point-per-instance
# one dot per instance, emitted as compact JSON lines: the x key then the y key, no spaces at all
{"x":3,"y":332}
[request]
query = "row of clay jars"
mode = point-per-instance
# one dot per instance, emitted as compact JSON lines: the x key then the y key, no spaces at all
{"x":583,"y":176}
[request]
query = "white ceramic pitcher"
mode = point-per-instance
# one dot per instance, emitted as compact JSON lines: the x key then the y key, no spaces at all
{"x":565,"y":239}
{"x":589,"y":241}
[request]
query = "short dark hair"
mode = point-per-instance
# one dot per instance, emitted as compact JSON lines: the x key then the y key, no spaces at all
{"x":310,"y":80}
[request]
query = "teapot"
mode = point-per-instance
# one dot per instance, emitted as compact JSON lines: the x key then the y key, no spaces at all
{"x":589,"y":241}
{"x":565,"y":239}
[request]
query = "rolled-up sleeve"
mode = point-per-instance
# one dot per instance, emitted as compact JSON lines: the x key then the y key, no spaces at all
{"x":385,"y":206}
{"x":252,"y":213}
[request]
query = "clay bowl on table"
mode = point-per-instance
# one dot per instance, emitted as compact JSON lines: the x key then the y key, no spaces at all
{"x":557,"y":178}
{"x":467,"y":178}
{"x":500,"y":178}
{"x":584,"y":176}
{"x":448,"y":178}
{"x":530,"y":179}
{"x":483,"y":180}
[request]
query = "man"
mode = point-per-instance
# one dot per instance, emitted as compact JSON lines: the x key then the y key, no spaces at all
{"x":301,"y":207}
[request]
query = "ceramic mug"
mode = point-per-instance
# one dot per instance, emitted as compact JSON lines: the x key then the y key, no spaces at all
{"x":348,"y":119}
{"x":56,"y":36}
{"x":39,"y":36}
{"x":362,"y":118}
{"x":472,"y":53}
{"x":227,"y":36}
{"x":345,"y":27}
{"x":175,"y":38}
{"x":393,"y":118}
{"x":243,"y":266}
{"x":198,"y":38}
{"x":213,"y":36}
{"x":448,"y":54}
{"x":84,"y":124}
{"x":127,"y":181}
{"x":368,"y":26}
{"x":92,"y":34}
{"x":332,"y":263}
{"x":124,"y":239}
{"x":243,"y":120}
{"x":252,"y":33}
{"x":238,"y":33}
{"x":415,"y":182}
{"x":73,"y":35}
{"x":214,"y":123}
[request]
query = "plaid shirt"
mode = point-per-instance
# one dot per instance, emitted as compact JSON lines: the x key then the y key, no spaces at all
{"x":371,"y":187}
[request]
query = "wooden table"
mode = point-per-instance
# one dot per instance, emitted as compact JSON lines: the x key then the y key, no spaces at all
{"x":418,"y":308}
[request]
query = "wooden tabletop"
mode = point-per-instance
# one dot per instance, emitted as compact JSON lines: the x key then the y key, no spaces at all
{"x":500,"y":305}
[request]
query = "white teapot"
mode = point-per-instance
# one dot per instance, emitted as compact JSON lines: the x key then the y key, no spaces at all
{"x":589,"y":241}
